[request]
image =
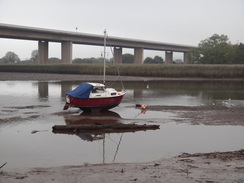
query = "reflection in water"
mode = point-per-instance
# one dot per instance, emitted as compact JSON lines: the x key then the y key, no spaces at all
{"x":188,"y":92}
{"x":206,"y":92}
{"x":97,"y":126}
{"x":65,"y":88}
{"x":43,"y":89}
{"x":138,"y":93}
{"x":106,"y":117}
{"x":88,"y":118}
{"x":191,"y":88}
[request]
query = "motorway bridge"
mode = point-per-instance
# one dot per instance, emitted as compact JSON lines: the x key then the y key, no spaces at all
{"x":67,"y":39}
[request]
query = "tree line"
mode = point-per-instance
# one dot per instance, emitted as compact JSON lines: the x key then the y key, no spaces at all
{"x":12,"y":58}
{"x":214,"y":50}
{"x":217,"y":50}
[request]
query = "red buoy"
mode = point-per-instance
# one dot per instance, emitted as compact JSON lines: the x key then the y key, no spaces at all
{"x":143,"y":106}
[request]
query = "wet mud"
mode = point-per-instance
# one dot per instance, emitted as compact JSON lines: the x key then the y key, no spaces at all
{"x":195,"y":115}
{"x":186,"y":168}
{"x":207,"y":115}
{"x":11,"y":114}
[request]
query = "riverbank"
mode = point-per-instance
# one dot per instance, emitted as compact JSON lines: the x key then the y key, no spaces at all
{"x":22,"y":76}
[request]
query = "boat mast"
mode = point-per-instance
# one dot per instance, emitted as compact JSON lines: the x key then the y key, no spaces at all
{"x":104,"y":56}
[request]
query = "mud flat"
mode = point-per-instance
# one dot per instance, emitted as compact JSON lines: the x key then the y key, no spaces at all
{"x":206,"y":115}
{"x":200,"y":167}
{"x":208,"y":167}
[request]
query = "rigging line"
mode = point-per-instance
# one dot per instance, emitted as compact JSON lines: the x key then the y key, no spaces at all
{"x":104,"y":149}
{"x":112,"y":82}
{"x":117,"y":150}
{"x":111,"y":139}
{"x":115,"y":63}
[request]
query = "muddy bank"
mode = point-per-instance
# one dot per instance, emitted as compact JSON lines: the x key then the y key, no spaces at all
{"x":202,"y":167}
{"x":15,"y":76}
{"x":206,"y":115}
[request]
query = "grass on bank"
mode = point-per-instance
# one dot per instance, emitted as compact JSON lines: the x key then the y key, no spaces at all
{"x":164,"y":70}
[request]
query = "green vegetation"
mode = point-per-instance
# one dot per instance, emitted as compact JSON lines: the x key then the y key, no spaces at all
{"x":215,"y":57}
{"x":87,"y":60}
{"x":155,"y":60}
{"x":181,"y":71}
{"x":128,"y":58}
{"x":157,"y":70}
{"x":217,"y":50}
{"x":214,"y":50}
{"x":10,"y":58}
{"x":34,"y":56}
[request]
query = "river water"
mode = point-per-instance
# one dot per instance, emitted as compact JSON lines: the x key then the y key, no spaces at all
{"x":29,"y":110}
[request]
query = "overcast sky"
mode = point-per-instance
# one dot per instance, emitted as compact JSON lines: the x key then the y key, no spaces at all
{"x":172,"y":21}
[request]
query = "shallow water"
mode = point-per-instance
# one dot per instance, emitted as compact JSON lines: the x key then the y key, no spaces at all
{"x":29,"y":109}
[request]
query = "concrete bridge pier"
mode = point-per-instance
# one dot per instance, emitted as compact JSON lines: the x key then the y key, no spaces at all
{"x":118,"y":55}
{"x":66,"y":56}
{"x":168,"y":57}
{"x":43,"y":89}
{"x":42,"y":52}
{"x":138,"y":55}
{"x":186,"y":61}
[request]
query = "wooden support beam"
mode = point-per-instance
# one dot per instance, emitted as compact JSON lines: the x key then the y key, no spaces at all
{"x":108,"y":128}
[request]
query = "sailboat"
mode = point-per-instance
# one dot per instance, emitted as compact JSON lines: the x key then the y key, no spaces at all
{"x":88,"y":96}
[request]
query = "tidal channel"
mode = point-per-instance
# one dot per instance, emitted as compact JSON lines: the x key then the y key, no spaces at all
{"x":29,"y":110}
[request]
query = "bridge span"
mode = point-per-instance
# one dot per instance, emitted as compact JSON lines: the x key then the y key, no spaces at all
{"x":67,"y":39}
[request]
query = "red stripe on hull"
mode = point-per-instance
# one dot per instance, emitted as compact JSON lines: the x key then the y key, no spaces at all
{"x":95,"y":103}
